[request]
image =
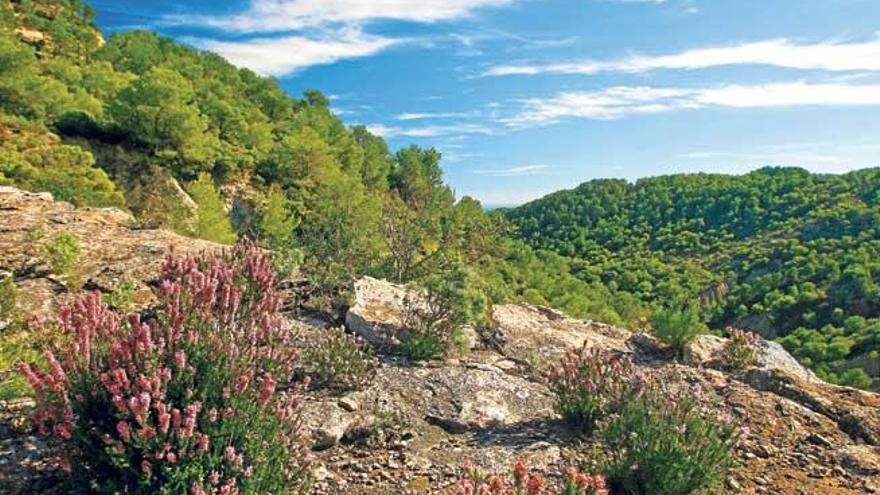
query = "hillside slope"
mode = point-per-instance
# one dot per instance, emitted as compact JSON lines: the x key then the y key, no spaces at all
{"x":786,"y":253}
{"x":414,"y":426}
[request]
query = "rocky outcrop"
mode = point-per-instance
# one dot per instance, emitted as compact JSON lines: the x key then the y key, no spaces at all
{"x":377,"y":314}
{"x":112,"y":250}
{"x":801,"y":435}
{"x":708,"y":350}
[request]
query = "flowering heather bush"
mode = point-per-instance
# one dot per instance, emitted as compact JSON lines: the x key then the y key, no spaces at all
{"x":338,"y":360}
{"x":741,"y":351}
{"x":525,"y":483}
{"x":185,"y":403}
{"x":591,"y":384}
{"x":664,"y":444}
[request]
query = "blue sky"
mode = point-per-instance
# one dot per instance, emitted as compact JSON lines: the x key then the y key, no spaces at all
{"x":524,"y":97}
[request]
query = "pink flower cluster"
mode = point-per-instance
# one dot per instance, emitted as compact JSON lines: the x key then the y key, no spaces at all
{"x":222,"y":310}
{"x":592,"y":383}
{"x":526,"y":483}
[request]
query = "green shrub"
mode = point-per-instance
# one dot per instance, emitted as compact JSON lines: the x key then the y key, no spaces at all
{"x":62,"y":253}
{"x":855,"y":377}
{"x":422,"y":346}
{"x":122,"y":299}
{"x":741,"y":351}
{"x":592,"y":384}
{"x":8,"y":301}
{"x":663,"y":444}
{"x":440,"y":305}
{"x":677,"y":327}
{"x":276,"y":228}
{"x":339,"y":361}
{"x":212,"y":221}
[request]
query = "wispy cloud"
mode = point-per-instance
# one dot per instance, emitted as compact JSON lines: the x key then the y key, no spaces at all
{"x":514,"y":171}
{"x":283,"y":36}
{"x":622,"y":101}
{"x":829,"y":56}
{"x":264,"y":16}
{"x":430,"y":115}
{"x":430,"y":131}
{"x":278,"y":56}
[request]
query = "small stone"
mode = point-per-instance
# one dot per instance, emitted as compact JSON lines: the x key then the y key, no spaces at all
{"x":733,"y":484}
{"x":817,"y":439}
{"x":348,"y":404}
{"x":321,"y":473}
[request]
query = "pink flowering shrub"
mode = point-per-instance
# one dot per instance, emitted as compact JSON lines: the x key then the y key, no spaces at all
{"x":741,"y":351}
{"x":590,"y":384}
{"x":188,"y":401}
{"x":526,"y":483}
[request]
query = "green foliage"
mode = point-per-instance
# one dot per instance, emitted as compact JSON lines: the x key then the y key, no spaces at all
{"x":855,"y":377}
{"x":34,"y":161}
{"x":212,"y":221}
{"x":277,"y":227}
{"x":62,"y":253}
{"x":663,"y":444}
{"x":339,"y":361}
{"x":9,"y":313}
{"x":793,"y":250}
{"x":440,"y":305}
{"x":157,"y":110}
{"x":123,"y":297}
{"x":277,"y":223}
{"x":678,"y":326}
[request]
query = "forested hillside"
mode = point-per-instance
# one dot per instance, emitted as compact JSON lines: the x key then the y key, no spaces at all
{"x":184,"y":140}
{"x":793,"y":255}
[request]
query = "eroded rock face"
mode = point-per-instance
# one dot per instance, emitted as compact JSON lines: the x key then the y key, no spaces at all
{"x":709,"y":349}
{"x":112,"y":250}
{"x":377,"y":313}
{"x":541,"y":335}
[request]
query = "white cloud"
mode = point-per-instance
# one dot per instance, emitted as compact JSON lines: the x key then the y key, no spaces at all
{"x":284,"y":55}
{"x":829,"y":56}
{"x":430,"y":131}
{"x":430,"y":115}
{"x":314,"y":32}
{"x":621,"y":101}
{"x":264,"y":16}
{"x":514,"y":171}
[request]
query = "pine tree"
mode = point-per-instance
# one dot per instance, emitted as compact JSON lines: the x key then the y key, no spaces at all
{"x":212,"y":222}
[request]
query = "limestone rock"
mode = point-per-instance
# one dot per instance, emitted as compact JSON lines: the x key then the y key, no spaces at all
{"x":377,"y":314}
{"x":112,"y":250}
{"x":541,"y":335}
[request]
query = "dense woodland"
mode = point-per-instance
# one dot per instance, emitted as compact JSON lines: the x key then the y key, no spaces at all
{"x":186,"y":141}
{"x":781,"y":251}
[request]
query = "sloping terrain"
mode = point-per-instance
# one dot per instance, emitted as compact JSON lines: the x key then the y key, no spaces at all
{"x":413,"y":426}
{"x":780,"y":251}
